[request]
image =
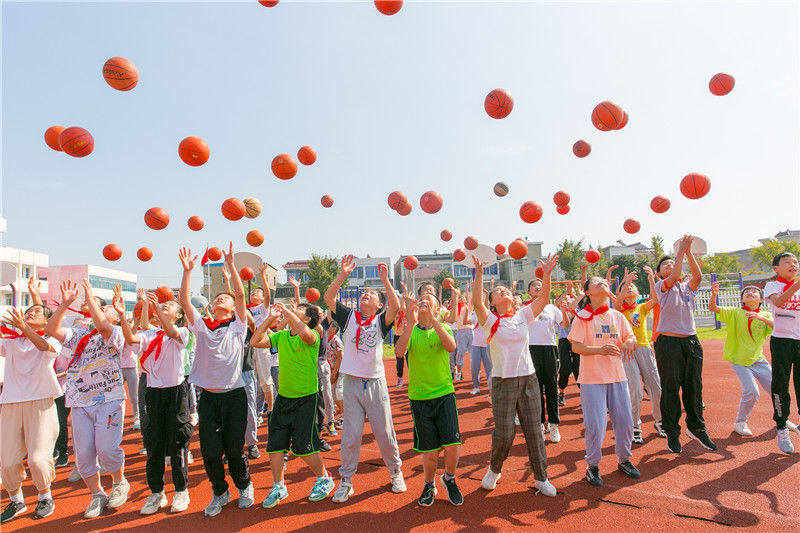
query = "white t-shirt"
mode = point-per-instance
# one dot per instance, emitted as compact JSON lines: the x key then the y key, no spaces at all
{"x":366,"y":359}
{"x":218,"y":355}
{"x":259,"y":313}
{"x":167,"y":371}
{"x":459,"y":317}
{"x":787,"y":318}
{"x":94,"y":377}
{"x":542,"y":331}
{"x":509,"y":345}
{"x":129,"y":355}
{"x":29,"y":373}
{"x":478,"y":335}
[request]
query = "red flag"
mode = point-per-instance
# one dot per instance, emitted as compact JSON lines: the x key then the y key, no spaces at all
{"x":205,"y":258}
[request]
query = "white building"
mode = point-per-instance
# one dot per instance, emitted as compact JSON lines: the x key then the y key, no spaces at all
{"x":101,"y":279}
{"x":17,"y":268}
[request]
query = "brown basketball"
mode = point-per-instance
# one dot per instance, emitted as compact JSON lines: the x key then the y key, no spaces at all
{"x":446,"y":235}
{"x":326,"y":201}
{"x":51,"y":137}
{"x":498,"y":103}
{"x":518,"y":249}
{"x":246,"y":274}
{"x":156,"y":218}
{"x":405,"y":209}
{"x":252,"y":207}
{"x":470,"y":243}
{"x":307,"y":155}
{"x":388,"y":7}
{"x":120,"y":73}
{"x":195,"y":223}
{"x":233,"y":209}
{"x":284,"y":166}
{"x":562,"y":209}
{"x":397,"y":200}
{"x":268,"y":3}
{"x":144,"y":253}
{"x":255,"y":238}
{"x":447,"y":283}
{"x":112,"y":252}
{"x":431,"y":202}
{"x":76,"y":142}
{"x":624,"y":120}
{"x":193,"y":151}
{"x":164,"y":294}
{"x":592,"y":256}
{"x":660,"y":204}
{"x":581,"y":148}
{"x":214,"y":253}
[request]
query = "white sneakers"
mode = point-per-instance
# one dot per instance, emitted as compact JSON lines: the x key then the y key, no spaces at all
{"x":119,"y":494}
{"x":545,"y":487}
{"x":154,"y":502}
{"x":398,"y":483}
{"x":344,"y":492}
{"x":784,"y":442}
{"x":74,"y":476}
{"x":490,"y":479}
{"x":474,"y":391}
{"x":555,"y":436}
{"x":742,"y":429}
{"x":180,"y":502}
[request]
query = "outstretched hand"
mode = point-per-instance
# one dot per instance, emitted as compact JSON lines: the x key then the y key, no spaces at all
{"x":69,"y":292}
{"x":185,"y":255}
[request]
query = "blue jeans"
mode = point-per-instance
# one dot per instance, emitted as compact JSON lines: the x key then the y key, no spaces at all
{"x":594,"y":401}
{"x":750,"y":377}
{"x":478,"y":354}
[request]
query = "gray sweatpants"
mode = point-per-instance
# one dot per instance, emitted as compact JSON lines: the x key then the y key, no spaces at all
{"x":327,"y":389}
{"x":250,"y":433}
{"x":642,"y":367}
{"x":594,"y":401}
{"x":97,"y":434}
{"x":131,"y":378}
{"x":367,"y":397}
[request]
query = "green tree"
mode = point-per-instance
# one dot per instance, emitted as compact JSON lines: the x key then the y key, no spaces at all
{"x":570,"y":256}
{"x":439,"y":278}
{"x":657,"y":244}
{"x":762,"y":255}
{"x":719,"y":264}
{"x":633,"y":264}
{"x":322,"y":270}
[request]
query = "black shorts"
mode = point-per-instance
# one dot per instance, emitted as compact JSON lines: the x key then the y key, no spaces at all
{"x":294,"y":422}
{"x":435,"y":423}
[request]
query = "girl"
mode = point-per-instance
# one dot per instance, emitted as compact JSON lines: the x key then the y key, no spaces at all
{"x":601,"y":336}
{"x":333,"y":351}
{"x":479,"y":353}
{"x":568,"y":361}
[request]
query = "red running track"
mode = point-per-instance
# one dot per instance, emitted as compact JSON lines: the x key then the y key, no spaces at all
{"x":747,"y":483}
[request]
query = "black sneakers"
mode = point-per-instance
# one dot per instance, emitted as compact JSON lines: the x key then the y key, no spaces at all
{"x":44,"y":508}
{"x":702,"y":438}
{"x":12,"y":510}
{"x":428,"y":494}
{"x":561,"y":400}
{"x":324,"y":446}
{"x":593,"y":476}
{"x":629,"y":470}
{"x":252,"y":452}
{"x":62,"y":460}
{"x":453,"y":493}
{"x":674,"y":444}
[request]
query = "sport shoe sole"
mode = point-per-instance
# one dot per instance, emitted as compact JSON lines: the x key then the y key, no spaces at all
{"x":339,"y":499}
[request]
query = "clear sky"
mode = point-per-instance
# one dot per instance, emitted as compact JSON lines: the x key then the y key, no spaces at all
{"x":395,"y":103}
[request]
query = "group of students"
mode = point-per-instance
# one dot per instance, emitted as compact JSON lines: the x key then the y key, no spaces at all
{"x":334,"y":363}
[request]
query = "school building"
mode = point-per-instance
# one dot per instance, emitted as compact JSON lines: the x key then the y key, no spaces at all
{"x":17,"y":268}
{"x":214,"y":282}
{"x":101,"y":279}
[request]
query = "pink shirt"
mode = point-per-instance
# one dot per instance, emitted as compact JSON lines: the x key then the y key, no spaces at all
{"x":609,"y":328}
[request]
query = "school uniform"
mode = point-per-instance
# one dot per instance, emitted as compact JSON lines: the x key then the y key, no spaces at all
{"x":544,"y":354}
{"x":785,"y":348}
{"x":642,"y":367}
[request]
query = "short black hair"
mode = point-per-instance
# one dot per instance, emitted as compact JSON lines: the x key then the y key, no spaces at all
{"x":100,"y":301}
{"x":46,"y":311}
{"x":531,"y":282}
{"x":661,"y":261}
{"x":422,"y":285}
{"x":224,"y":292}
{"x":777,"y":259}
{"x":312,"y":313}
{"x":760,"y":292}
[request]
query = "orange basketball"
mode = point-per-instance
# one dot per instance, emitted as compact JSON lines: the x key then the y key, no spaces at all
{"x":410,"y":262}
{"x":144,"y":253}
{"x":51,"y":137}
{"x":233,"y":209}
{"x":500,"y":249}
{"x":539,"y":272}
{"x":581,"y":148}
{"x":518,"y":249}
{"x":631,"y":226}
{"x":137,"y":310}
{"x":470,"y":243}
{"x":498,"y":103}
{"x":388,"y":7}
{"x":164,"y":294}
{"x":562,"y":209}
{"x":592,"y":256}
{"x":112,"y":252}
{"x":624,"y":120}
{"x":246,"y":274}
{"x":268,"y":3}
{"x":120,"y":73}
{"x":404,"y":209}
{"x":695,"y":185}
{"x":195,"y":223}
{"x":459,"y":254}
{"x":255,"y":238}
{"x":721,"y":84}
{"x":76,"y":142}
{"x":431,"y":202}
{"x":156,"y":218}
{"x":284,"y":166}
{"x":397,"y":200}
{"x":530,"y":212}
{"x":312,"y":294}
{"x":607,"y":116}
{"x":193,"y":151}
{"x":446,"y":235}
{"x":327,"y":200}
{"x":447,"y":283}
{"x":214,"y":253}
{"x":659,"y":204}
{"x":307,"y":155}
{"x":561,"y":198}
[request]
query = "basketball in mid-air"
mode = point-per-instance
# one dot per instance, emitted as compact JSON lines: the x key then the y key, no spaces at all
{"x":144,"y":253}
{"x":120,"y":73}
{"x":76,"y":141}
{"x":695,"y":185}
{"x":500,"y":188}
{"x":410,"y":262}
{"x":498,"y":103}
{"x":518,"y":249}
{"x":112,"y":252}
{"x":431,"y":202}
{"x":581,"y":148}
{"x":530,"y":212}
{"x":195,"y":223}
{"x":446,"y":235}
{"x":659,"y":204}
{"x":631,"y":226}
{"x":156,"y":218}
{"x":51,"y":137}
{"x":721,"y":84}
{"x":233,"y":209}
{"x":284,"y":166}
{"x":194,"y":151}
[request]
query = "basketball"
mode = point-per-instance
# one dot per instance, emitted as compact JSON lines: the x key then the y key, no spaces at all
{"x":459,"y":254}
{"x":268,"y":3}
{"x":312,"y":294}
{"x":246,"y":273}
{"x":112,"y":252}
{"x":592,"y":256}
{"x":500,"y":189}
{"x":327,"y":200}
{"x":518,"y":249}
{"x":120,"y":73}
{"x":581,"y":148}
{"x":539,"y":272}
{"x":51,"y":137}
{"x":397,"y":200}
{"x":137,"y":310}
{"x":607,"y":116}
{"x":404,"y":209}
{"x":307,"y":155}
{"x":164,"y":294}
{"x":721,"y":84}
{"x":193,"y":151}
{"x":388,"y":7}
{"x":233,"y":209}
{"x":631,"y":226}
{"x":498,"y":103}
{"x":255,"y":238}
{"x":695,"y":185}
{"x":446,"y":235}
{"x":144,"y":253}
{"x":561,"y":198}
{"x":499,"y":249}
{"x":447,"y":283}
{"x":195,"y":223}
{"x":470,"y":243}
{"x":76,"y":141}
{"x":214,"y":253}
{"x":156,"y":218}
{"x":410,"y":262}
{"x":624,"y":120}
{"x":252,"y":207}
{"x":530,"y":212}
{"x":659,"y":204}
{"x":562,"y":209}
{"x":431,"y":202}
{"x":284,"y":166}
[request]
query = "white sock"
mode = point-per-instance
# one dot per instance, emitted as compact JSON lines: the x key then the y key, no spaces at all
{"x":45,"y":496}
{"x":18,"y":497}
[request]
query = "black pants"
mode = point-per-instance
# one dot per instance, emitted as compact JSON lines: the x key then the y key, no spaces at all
{"x":680,"y":366}
{"x":143,"y":408}
{"x":400,"y":363}
{"x":168,"y":429}
{"x":568,"y":362}
{"x":545,"y":362}
{"x":223,"y":420}
{"x":63,"y":435}
{"x":785,"y":355}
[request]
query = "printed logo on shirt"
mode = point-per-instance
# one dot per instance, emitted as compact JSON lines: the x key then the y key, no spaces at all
{"x":605,"y":331}
{"x":636,"y":319}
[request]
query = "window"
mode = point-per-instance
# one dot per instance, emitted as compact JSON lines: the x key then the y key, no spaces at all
{"x":129,"y":306}
{"x":99,"y":282}
{"x":358,"y":272}
{"x":26,"y":273}
{"x":371,"y":272}
{"x":517,"y":266}
{"x":6,"y":299}
{"x":490,"y":270}
{"x":461,"y":271}
{"x":26,"y":300}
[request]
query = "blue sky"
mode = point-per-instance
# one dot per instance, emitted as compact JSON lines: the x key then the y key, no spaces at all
{"x":394,"y":103}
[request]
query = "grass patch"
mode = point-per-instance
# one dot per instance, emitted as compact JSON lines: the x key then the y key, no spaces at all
{"x":388,"y":351}
{"x":705,"y":334}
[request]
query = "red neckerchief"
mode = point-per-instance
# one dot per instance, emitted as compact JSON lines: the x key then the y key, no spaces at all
{"x":81,"y":346}
{"x":156,"y":345}
{"x":361,"y":323}
{"x":592,"y":312}
{"x":250,"y":306}
{"x":626,"y":306}
{"x":786,"y":283}
{"x":214,"y":324}
{"x":331,"y":336}
{"x":670,"y":286}
{"x":8,"y":333}
{"x":496,"y":324}
{"x":750,"y":319}
{"x":84,"y":315}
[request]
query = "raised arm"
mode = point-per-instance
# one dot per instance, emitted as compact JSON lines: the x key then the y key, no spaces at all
{"x":69,"y":293}
{"x":477,"y":292}
{"x":169,"y":328}
{"x":778,"y":300}
{"x":347,"y":267}
{"x":544,"y":295}
{"x":187,"y":261}
{"x":101,"y":323}
{"x":401,"y":344}
{"x":392,"y":303}
{"x":629,"y":278}
{"x":236,"y":284}
{"x":694,"y":266}
{"x":17,"y":319}
{"x":297,"y":326}
{"x":584,"y":275}
{"x":264,"y":285}
{"x":130,"y":336}
{"x":296,"y":284}
{"x":673,"y":278}
{"x":33,"y":289}
{"x":712,"y":302}
{"x":453,"y":313}
{"x":260,"y":339}
{"x":227,"y":277}
{"x":610,"y":270}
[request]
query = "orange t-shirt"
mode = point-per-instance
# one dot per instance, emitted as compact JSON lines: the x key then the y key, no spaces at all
{"x":656,"y":314}
{"x":609,"y":328}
